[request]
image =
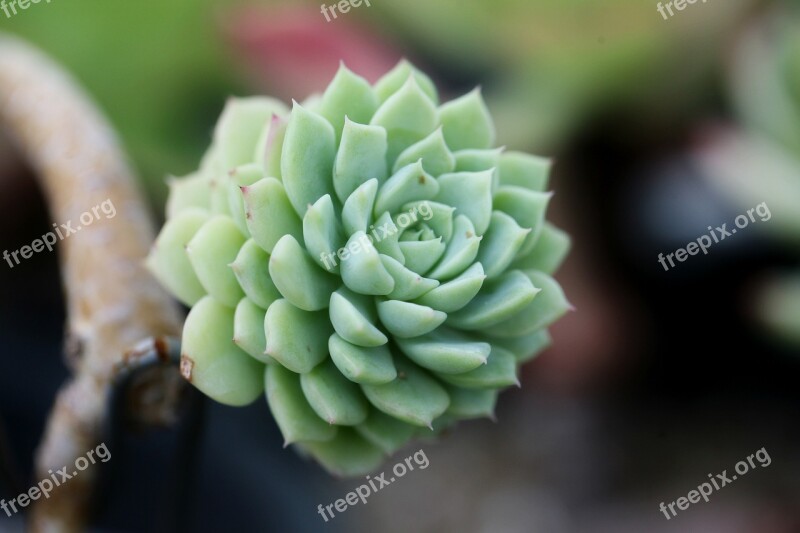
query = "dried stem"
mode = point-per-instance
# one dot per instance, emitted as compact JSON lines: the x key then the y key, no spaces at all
{"x":112,"y":301}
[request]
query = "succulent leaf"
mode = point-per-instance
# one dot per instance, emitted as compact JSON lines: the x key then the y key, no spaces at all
{"x":386,"y":432}
{"x":269,"y":214}
{"x":436,"y":157}
{"x":353,"y":317}
{"x":298,"y":278}
{"x":248,"y":330}
{"x":295,"y":417}
{"x":212,"y":362}
{"x":347,"y":454}
{"x":393,"y":80}
{"x":309,"y":148}
{"x":414,"y":397}
{"x":333,"y":397}
{"x":296,"y":339}
{"x":168,"y":260}
{"x":211,"y":252}
{"x":348,"y":95}
{"x":466,"y":122}
{"x":408,"y":116}
{"x":360,"y":364}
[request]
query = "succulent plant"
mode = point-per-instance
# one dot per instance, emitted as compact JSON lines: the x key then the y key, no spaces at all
{"x":368,"y":258}
{"x":764,"y":85}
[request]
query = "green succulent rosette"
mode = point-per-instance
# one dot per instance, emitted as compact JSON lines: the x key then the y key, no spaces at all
{"x":368,"y":258}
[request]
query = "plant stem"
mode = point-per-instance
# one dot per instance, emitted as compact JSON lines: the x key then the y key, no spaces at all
{"x":112,"y":302}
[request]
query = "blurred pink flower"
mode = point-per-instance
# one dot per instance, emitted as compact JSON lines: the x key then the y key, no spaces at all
{"x":293,"y":51}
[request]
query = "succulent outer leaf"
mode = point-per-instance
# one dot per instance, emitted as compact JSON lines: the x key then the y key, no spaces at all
{"x":408,"y":285}
{"x":244,"y":175}
{"x":471,"y":403}
{"x":269,"y":214}
{"x":333,"y":397}
{"x":501,"y":243}
{"x":524,"y":170}
{"x":436,"y":157}
{"x":456,"y":293}
{"x":309,"y":148}
{"x":408,"y":116}
{"x":323,"y":234}
{"x":168,"y":260}
{"x":298,"y":278}
{"x":362,"y":268}
{"x":240,"y":127}
{"x":524,"y":347}
{"x":393,"y":80}
{"x":461,"y":250}
{"x":438,"y":427}
{"x":500,"y":371}
{"x":406,"y":320}
{"x":294,"y":416}
{"x":471,"y":194}
{"x":477,"y":159}
{"x":498,"y":300}
{"x":212,"y":362}
{"x":211,"y":251}
{"x":220,"y":203}
{"x":361,"y":157}
{"x":248,"y":330}
{"x":241,"y":176}
{"x":210,"y":165}
{"x":414,"y":397}
{"x":297,"y":339}
{"x":253,"y":277}
{"x":348,"y":454}
{"x":357,"y":210}
{"x":546,"y":308}
{"x":368,"y":366}
{"x":270,"y":146}
{"x":445,"y":351}
{"x":353,"y":317}
{"x":386,"y":432}
{"x":527,"y":207}
{"x":192,"y":191}
{"x":348,"y":95}
{"x":466,"y":122}
{"x":548,"y":253}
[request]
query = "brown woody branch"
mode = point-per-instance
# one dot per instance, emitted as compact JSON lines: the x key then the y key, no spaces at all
{"x":112,"y":301}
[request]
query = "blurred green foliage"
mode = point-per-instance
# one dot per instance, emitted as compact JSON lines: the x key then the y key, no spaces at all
{"x":765,"y":87}
{"x":161,"y":70}
{"x":155,"y":68}
{"x":562,"y":60}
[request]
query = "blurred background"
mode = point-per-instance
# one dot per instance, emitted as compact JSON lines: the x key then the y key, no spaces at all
{"x":659,"y":129}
